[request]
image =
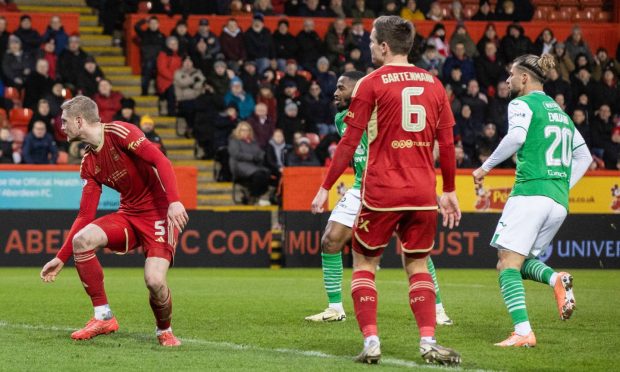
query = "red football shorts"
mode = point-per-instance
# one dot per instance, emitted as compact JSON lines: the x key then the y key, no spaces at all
{"x":149,"y":230}
{"x":415,"y":229}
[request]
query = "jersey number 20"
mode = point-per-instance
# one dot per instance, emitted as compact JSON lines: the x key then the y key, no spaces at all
{"x":409,"y":110}
{"x":561,"y":137}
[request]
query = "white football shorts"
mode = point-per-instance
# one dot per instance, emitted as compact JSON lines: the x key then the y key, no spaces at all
{"x":346,"y":210}
{"x":528,"y":224}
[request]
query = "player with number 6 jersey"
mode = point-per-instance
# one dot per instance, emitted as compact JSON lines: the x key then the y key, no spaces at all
{"x":551,"y":158}
{"x":150,"y":216}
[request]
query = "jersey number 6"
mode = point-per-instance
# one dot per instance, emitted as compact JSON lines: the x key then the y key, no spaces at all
{"x":410,"y":110}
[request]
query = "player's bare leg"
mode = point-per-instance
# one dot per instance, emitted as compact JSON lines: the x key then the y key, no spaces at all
{"x":365,"y":301}
{"x":85,"y":244}
{"x":422,"y":302}
{"x":334,"y":239}
{"x":160,"y":299}
{"x":511,"y":285}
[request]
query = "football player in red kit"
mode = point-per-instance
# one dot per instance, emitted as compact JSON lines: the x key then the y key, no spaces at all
{"x":150,"y":214}
{"x":404,"y":109}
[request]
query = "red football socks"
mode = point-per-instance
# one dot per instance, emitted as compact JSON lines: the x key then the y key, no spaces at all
{"x":162,"y":311}
{"x":91,"y":275}
{"x":422,"y":302}
{"x":365,"y":299}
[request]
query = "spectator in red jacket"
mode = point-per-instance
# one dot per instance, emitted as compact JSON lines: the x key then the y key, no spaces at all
{"x":168,"y":61}
{"x":108,"y":101}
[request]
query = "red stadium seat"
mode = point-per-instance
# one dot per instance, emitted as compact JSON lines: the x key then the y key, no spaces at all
{"x":540,"y":15}
{"x":66,"y":93}
{"x":14,"y":95}
{"x":306,"y":74}
{"x":583,"y":16}
{"x":603,"y":17}
{"x":144,"y":7}
{"x":20,"y":117}
{"x":570,"y":9}
{"x":568,"y":3}
{"x":3,"y":117}
{"x":559,"y":16}
{"x":592,"y":3}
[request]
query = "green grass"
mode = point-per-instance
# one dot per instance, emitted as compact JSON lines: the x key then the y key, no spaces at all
{"x":252,"y":319}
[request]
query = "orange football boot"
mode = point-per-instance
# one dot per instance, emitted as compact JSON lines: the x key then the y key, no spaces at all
{"x":166,"y":338}
{"x":519,"y":341}
{"x":564,"y":295}
{"x":96,"y":327}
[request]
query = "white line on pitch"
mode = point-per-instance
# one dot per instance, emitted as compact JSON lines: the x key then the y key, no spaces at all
{"x":229,"y":345}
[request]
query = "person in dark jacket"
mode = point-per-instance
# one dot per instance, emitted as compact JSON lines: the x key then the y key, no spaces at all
{"x":263,"y":126}
{"x":208,"y":105}
{"x":39,"y":146}
{"x":71,"y":61}
{"x":42,"y":113}
{"x":581,"y":124}
{"x":250,"y":78}
{"x":167,"y":7}
{"x":181,"y":32}
{"x":484,"y":13}
{"x":224,"y":124}
{"x":489,"y":69}
{"x":318,"y":111}
{"x":218,"y":79}
{"x":335,"y":42}
{"x":56,"y":31}
{"x":497,"y":111}
{"x":459,"y":58}
{"x":246,"y":161}
{"x":152,"y":41}
{"x":16,"y":65}
{"x":127,"y":112}
{"x":312,"y":8}
{"x":556,"y":85}
{"x":275,"y":153}
{"x":476,"y":100}
{"x":358,"y":38}
{"x":514,"y":44}
{"x":259,"y":44}
{"x":290,"y":122}
{"x":31,"y":39}
{"x":311,"y":46}
{"x":6,"y":147}
{"x":89,"y":78}
{"x":302,"y":155}
{"x":4,"y":42}
{"x":285,"y":44}
{"x":291,"y":75}
{"x":232,"y":41}
{"x":205,"y":47}
{"x":38,"y":84}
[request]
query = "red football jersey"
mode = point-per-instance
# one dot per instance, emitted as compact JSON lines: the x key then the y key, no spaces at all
{"x":401,"y":107}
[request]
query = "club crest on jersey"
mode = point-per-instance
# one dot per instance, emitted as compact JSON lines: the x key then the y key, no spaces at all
{"x":134,"y":144}
{"x":115,"y":156}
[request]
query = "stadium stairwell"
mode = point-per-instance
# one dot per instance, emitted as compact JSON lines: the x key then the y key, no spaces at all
{"x":111,"y":59}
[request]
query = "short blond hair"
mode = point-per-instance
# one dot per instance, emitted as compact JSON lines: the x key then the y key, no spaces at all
{"x":237,"y":131}
{"x":83,"y":107}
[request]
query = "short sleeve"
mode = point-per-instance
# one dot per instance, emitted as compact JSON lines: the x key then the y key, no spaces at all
{"x":362,"y":104}
{"x":578,"y":140}
{"x":446,"y":117}
{"x":519,"y":115}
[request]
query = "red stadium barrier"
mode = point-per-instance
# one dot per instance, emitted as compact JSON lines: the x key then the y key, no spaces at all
{"x":40,"y":21}
{"x":597,"y":35}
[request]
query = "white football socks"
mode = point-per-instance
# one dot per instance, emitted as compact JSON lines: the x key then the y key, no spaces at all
{"x":368,"y":339}
{"x":337,"y":306}
{"x":523,"y":328}
{"x":101,"y":312}
{"x":553,"y":279}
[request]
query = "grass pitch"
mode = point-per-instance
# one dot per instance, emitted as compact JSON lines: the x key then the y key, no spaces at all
{"x":252,"y":319}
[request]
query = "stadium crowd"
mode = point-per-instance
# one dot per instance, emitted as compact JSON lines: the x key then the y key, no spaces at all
{"x":281,"y":85}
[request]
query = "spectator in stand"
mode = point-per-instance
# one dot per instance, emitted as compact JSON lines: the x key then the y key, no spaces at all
{"x":484,"y":13}
{"x":581,"y":61}
{"x":148,"y":128}
{"x":290,"y":122}
{"x":514,"y":44}
{"x":285,"y":44}
{"x":325,"y":77}
{"x":168,"y":7}
{"x":584,"y":84}
{"x":418,"y":45}
{"x":335,"y":43}
{"x":275,"y":156}
{"x":610,"y":91}
{"x":152,"y":41}
{"x":488,"y":138}
{"x":70,"y":61}
{"x":233,"y":44}
{"x":37,"y":84}
{"x":359,"y":10}
{"x":16,"y":65}
{"x":318,"y":111}
{"x":613,"y":160}
{"x":435,"y":12}
{"x":265,"y":95}
{"x":459,"y":58}
{"x":291,"y":75}
{"x":219,"y":79}
{"x":262,"y":125}
{"x":246,"y":161}
{"x":430,"y":61}
{"x":259,"y":44}
{"x":602,"y":63}
{"x":188,"y":84}
{"x":243,"y":101}
{"x":411,"y":12}
{"x":489,"y":69}
{"x":456,"y":81}
{"x":311,"y":8}
{"x":206,"y":46}
{"x":563,"y":62}
{"x":56,"y":31}
{"x":601,"y":127}
{"x":31,"y":39}
{"x":168,"y":61}
{"x":461,"y":35}
{"x":108,"y":101}
{"x":462,"y":160}
{"x":127,"y":112}
{"x":456,"y":10}
{"x":39,"y":146}
{"x":544,"y":42}
{"x":437,"y":38}
{"x":497,"y":110}
{"x":392,"y":8}
{"x":89,"y":78}
{"x":55,"y":99}
{"x":476,"y":100}
{"x":264,"y":7}
{"x":47,"y":53}
{"x":581,"y":124}
{"x":302,"y":155}
{"x":556,"y":85}
{"x":42,"y":113}
{"x":224,"y":124}
{"x":312,"y":46}
{"x":359,"y":38}
{"x":181,"y":32}
{"x":208,"y":105}
{"x":238,"y":8}
{"x":7,"y":156}
{"x":575,"y":44}
{"x":4,"y":39}
{"x":490,"y":35}
{"x":336,"y":9}
{"x":354,"y":61}
{"x":250,"y":78}
{"x":467,"y":130}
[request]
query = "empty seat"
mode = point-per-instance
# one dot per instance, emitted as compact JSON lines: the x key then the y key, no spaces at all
{"x":20,"y":117}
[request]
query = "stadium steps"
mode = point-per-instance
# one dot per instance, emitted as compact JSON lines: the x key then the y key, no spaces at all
{"x":146,"y":101}
{"x":178,"y":143}
{"x":124,"y":80}
{"x":100,"y":50}
{"x":89,"y":21}
{"x":110,"y":71}
{"x":146,"y":110}
{"x":111,"y":61}
{"x":128,"y":91}
{"x":93,"y":40}
{"x":210,"y":188}
{"x":51,"y":3}
{"x":90,"y":30}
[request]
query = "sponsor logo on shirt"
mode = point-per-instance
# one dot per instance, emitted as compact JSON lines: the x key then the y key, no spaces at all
{"x":134,"y":144}
{"x":402,"y":144}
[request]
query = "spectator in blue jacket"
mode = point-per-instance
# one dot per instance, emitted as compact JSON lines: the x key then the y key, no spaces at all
{"x":244,"y":102}
{"x":459,"y":58}
{"x":39,"y":146}
{"x":56,"y":31}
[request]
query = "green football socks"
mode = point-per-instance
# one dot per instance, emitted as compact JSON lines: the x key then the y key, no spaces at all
{"x":511,"y":286}
{"x":332,"y":276}
{"x":431,"y":270}
{"x":537,"y":271}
